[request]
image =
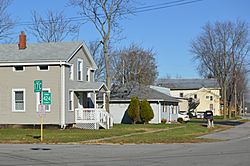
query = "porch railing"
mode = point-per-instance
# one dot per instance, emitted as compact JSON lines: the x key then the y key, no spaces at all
{"x":91,"y":118}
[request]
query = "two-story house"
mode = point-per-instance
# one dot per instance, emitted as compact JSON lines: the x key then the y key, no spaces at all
{"x":196,"y":94}
{"x":66,"y":70}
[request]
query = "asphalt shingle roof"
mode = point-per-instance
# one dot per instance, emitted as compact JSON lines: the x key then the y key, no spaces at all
{"x":142,"y":92}
{"x":175,"y":84}
{"x":59,"y":51}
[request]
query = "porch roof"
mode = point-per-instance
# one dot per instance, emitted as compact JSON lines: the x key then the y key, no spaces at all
{"x":91,"y":87}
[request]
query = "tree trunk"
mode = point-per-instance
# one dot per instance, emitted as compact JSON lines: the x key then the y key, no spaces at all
{"x":225,"y":100}
{"x":107,"y":72}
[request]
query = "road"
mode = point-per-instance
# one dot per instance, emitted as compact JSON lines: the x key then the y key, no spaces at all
{"x":235,"y":151}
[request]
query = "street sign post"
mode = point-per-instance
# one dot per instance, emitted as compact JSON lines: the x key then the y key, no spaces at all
{"x":46,"y":98}
{"x":38,"y":85}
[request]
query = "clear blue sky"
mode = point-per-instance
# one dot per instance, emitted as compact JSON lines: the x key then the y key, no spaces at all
{"x":168,"y":31}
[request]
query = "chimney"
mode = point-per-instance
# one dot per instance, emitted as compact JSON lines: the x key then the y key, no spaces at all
{"x":22,"y":41}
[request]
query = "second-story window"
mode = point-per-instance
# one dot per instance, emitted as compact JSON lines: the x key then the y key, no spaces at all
{"x":71,"y":72}
{"x":43,"y":67}
{"x":79,"y":69}
{"x":18,"y":68}
{"x":88,"y":75}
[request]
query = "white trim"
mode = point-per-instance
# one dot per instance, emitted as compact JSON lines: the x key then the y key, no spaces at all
{"x":14,"y":103}
{"x":34,"y":63}
{"x":14,"y":68}
{"x":63,"y":123}
{"x":71,"y":98}
{"x":39,"y":69}
{"x":81,"y":69}
{"x":73,"y":54}
{"x":86,"y":50}
{"x":71,"y":72}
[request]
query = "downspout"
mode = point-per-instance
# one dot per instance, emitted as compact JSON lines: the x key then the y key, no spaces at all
{"x":63,"y":124}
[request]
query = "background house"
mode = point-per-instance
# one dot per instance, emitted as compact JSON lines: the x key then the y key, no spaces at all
{"x":163,"y":105}
{"x":196,"y":94}
{"x":67,"y":71}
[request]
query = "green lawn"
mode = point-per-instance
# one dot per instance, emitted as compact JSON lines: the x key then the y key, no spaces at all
{"x":187,"y":133}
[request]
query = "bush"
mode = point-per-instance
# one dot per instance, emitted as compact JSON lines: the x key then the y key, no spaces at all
{"x":146,"y":112}
{"x":134,"y":109}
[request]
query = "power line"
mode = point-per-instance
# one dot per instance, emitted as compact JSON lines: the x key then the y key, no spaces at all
{"x":137,"y":10}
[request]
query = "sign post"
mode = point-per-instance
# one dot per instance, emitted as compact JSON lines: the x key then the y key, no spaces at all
{"x":38,"y":89}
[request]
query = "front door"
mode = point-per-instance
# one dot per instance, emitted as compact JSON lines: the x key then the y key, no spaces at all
{"x":80,"y":100}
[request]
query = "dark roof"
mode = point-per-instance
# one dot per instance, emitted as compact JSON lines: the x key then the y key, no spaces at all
{"x":59,"y":51}
{"x":142,"y":92}
{"x":176,"y":84}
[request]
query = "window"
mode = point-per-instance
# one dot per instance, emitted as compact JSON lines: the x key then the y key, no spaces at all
{"x":43,"y":67}
{"x":39,"y":100}
{"x":207,"y":97}
{"x":88,"y":75}
{"x":195,"y":96}
{"x":79,"y":69}
{"x":71,"y":72}
{"x":211,"y":98}
{"x":18,"y":68}
{"x":181,"y":95}
{"x":18,"y":100}
{"x":211,"y":107}
{"x":71,"y":105}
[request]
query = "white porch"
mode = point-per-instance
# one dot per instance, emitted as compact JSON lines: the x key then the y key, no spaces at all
{"x":93,"y":118}
{"x":88,"y":114}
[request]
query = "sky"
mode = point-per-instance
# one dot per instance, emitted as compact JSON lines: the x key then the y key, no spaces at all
{"x":168,"y":31}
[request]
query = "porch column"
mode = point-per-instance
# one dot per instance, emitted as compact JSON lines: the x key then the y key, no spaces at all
{"x":104,"y":100}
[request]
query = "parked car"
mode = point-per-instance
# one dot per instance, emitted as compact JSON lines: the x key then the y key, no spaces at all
{"x":200,"y":115}
{"x":183,"y":117}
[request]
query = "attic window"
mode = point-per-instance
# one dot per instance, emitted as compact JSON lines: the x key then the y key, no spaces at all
{"x":18,"y":68}
{"x":43,"y":67}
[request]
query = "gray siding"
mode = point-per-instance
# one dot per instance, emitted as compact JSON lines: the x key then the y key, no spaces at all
{"x":11,"y":80}
{"x":71,"y":84}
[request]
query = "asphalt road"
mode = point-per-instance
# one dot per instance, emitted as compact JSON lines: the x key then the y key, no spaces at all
{"x":233,"y":152}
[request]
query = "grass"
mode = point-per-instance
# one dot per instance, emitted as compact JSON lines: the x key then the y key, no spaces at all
{"x":160,"y":134}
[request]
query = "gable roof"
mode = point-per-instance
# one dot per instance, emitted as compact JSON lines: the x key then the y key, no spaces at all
{"x":42,"y":52}
{"x":142,"y":92}
{"x":188,"y":84}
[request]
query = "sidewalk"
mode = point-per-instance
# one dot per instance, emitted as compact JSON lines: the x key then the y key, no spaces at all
{"x":237,"y":132}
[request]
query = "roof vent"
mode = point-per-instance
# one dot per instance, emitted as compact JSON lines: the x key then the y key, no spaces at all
{"x":22,"y":41}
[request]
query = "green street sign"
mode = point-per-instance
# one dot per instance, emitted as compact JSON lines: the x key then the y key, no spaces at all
{"x":38,"y":85}
{"x":46,"y":98}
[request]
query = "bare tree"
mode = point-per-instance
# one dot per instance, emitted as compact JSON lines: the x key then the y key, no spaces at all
{"x":6,"y":23}
{"x":105,"y":16}
{"x":55,"y":27}
{"x":220,"y":49}
{"x":96,"y":52}
{"x":134,"y":65}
